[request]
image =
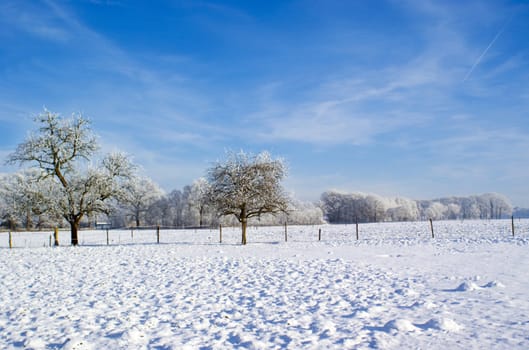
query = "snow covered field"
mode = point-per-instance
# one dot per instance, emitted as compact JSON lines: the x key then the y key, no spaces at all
{"x":394,"y":288}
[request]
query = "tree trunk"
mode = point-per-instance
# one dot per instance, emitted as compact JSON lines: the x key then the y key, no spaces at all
{"x":74,"y":229}
{"x":29,"y":223}
{"x":244,"y":223}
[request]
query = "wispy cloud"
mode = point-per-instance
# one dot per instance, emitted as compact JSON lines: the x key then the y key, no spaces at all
{"x":303,"y":79}
{"x":32,"y":19}
{"x":128,"y":90}
{"x":356,"y":110}
{"x":362,"y":105}
{"x":134,"y":90}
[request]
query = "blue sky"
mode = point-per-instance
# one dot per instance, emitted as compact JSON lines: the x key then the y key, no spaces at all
{"x":415,"y":98}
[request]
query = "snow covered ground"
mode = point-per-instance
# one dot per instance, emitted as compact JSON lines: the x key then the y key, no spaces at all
{"x":394,"y":288}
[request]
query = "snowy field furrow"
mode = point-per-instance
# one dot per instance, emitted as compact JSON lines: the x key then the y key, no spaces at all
{"x":394,"y":288}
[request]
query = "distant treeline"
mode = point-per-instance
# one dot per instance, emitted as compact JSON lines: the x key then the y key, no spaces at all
{"x":341,"y":207}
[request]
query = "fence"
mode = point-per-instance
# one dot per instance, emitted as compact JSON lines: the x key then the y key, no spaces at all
{"x":365,"y":233}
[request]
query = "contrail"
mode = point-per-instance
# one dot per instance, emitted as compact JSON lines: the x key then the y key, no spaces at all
{"x":485,"y":51}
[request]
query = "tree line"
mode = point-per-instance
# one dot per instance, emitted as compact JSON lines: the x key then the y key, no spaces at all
{"x":141,"y":203}
{"x":70,"y":182}
{"x":342,"y":207}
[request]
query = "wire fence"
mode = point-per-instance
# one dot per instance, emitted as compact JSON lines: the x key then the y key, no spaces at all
{"x":368,"y":233}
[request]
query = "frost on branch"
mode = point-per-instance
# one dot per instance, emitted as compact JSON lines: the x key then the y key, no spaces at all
{"x":23,"y":200}
{"x":358,"y":207}
{"x":138,"y":194}
{"x":62,"y":149}
{"x":247,"y":186}
{"x":57,"y":145}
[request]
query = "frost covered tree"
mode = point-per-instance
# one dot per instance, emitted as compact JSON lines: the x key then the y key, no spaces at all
{"x":304,"y":213}
{"x":332,"y":205}
{"x":169,"y":210}
{"x":139,"y":193}
{"x":17,"y":202}
{"x":199,"y":198}
{"x":436,"y":211}
{"x":24,"y":199}
{"x":247,"y":186}
{"x":348,"y":207}
{"x":358,"y":207}
{"x":189,"y":207}
{"x":498,"y":205}
{"x":375,"y":207}
{"x":353,"y":207}
{"x":160,"y":212}
{"x":64,"y":148}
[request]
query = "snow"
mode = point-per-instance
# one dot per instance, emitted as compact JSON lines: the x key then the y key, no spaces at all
{"x":395,"y":287}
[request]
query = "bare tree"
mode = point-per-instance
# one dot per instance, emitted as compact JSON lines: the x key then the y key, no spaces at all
{"x":139,"y":193}
{"x":61,"y":148}
{"x":247,"y":186}
{"x":24,"y":196}
{"x":199,"y":199}
{"x":332,"y":203}
{"x":375,"y":207}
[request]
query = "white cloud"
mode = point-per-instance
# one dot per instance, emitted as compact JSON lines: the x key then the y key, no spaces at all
{"x":355,"y":110}
{"x":366,"y":102}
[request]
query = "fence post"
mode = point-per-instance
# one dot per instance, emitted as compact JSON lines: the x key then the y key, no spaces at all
{"x":512,"y":224}
{"x":319,"y":234}
{"x":286,"y":235}
{"x":56,"y":236}
{"x":10,"y":240}
{"x":431,"y":227}
{"x":107,"y":237}
{"x":132,"y":233}
{"x":357,"y":229}
{"x":50,"y":242}
{"x":220,"y":232}
{"x":158,"y":234}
